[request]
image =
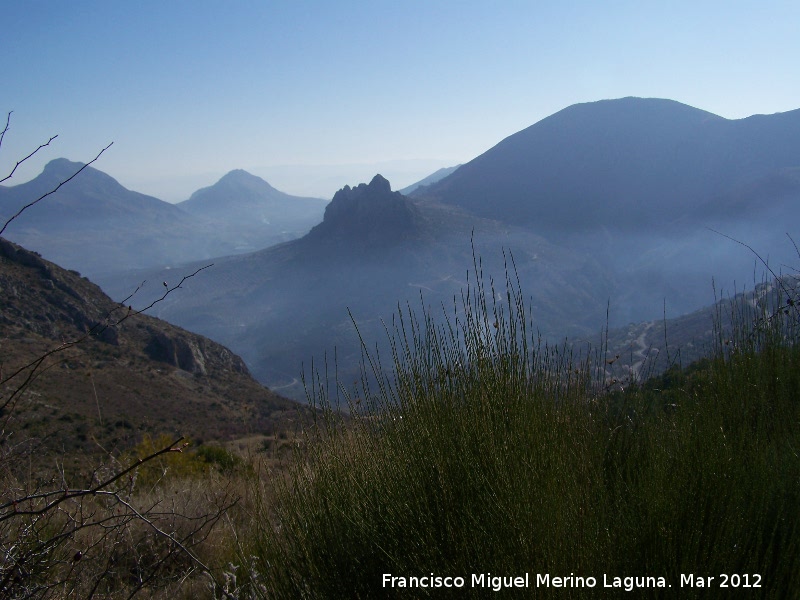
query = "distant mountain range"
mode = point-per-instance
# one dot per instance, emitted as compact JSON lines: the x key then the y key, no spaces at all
{"x":96,"y":225}
{"x":610,"y":210}
{"x":132,"y":374}
{"x":432,"y":178}
{"x":374,"y":251}
{"x":246,"y":206}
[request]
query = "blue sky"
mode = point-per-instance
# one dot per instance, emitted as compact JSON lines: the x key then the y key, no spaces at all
{"x":315,"y":95}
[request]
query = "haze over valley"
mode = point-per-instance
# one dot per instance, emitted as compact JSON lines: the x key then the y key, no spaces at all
{"x":368,"y":299}
{"x":613,"y":212}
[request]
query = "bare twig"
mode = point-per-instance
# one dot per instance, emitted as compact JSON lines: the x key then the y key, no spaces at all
{"x":792,"y":301}
{"x":3,"y":133}
{"x":64,"y":495}
{"x":19,"y":162}
{"x":46,"y":522}
{"x":35,"y":365}
{"x":46,"y":542}
{"x":55,"y":189}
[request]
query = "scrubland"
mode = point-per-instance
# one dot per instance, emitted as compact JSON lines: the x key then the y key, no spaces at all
{"x":473,"y":447}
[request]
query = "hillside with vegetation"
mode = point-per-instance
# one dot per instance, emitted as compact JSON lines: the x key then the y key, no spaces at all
{"x":474,"y":448}
{"x":460,"y":453}
{"x":492,"y":452}
{"x":109,"y":374}
{"x":101,"y":409}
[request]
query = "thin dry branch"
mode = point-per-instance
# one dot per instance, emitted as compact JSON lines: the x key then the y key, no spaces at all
{"x":66,"y":494}
{"x":19,"y":162}
{"x":35,"y":366}
{"x":40,"y":535}
{"x":3,"y":133}
{"x":55,"y":189}
{"x":790,"y":294}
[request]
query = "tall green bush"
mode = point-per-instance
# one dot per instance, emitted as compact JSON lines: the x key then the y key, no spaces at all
{"x":487,"y":450}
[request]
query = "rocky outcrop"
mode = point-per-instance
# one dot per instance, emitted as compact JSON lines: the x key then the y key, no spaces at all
{"x":369,"y":215}
{"x":44,"y":299}
{"x":96,"y":363}
{"x":192,"y":353}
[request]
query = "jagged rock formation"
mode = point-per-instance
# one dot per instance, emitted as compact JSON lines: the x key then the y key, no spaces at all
{"x":368,"y":215}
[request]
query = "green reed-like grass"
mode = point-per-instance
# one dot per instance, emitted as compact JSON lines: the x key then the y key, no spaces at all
{"x":489,"y":451}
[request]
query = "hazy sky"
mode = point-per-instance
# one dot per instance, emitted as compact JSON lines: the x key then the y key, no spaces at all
{"x":310,"y":95}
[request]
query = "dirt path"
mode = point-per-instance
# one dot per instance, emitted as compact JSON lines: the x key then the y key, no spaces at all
{"x":642,"y":349}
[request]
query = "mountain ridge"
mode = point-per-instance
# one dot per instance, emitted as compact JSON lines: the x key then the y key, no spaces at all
{"x":69,"y":209}
{"x":595,"y":218}
{"x":143,"y":375}
{"x":596,"y":163}
{"x":99,"y":227}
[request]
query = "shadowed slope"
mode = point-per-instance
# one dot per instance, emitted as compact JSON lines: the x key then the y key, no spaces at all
{"x":132,"y":374}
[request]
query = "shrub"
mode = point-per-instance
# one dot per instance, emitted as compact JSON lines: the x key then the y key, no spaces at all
{"x":489,"y":451}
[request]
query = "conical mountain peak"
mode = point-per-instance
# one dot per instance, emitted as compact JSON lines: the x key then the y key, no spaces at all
{"x":61,"y":166}
{"x":243,"y":178}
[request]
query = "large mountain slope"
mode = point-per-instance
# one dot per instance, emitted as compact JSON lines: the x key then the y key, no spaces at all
{"x":630,"y":164}
{"x":374,"y":251}
{"x":644,"y":185}
{"x":129,"y":374}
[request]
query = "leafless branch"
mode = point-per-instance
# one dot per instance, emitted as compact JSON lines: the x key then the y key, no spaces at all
{"x":55,"y":189}
{"x":791,"y":295}
{"x":19,"y":162}
{"x":3,"y":133}
{"x":64,"y":495}
{"x":168,"y":290}
{"x":48,"y":520}
{"x":34,"y":367}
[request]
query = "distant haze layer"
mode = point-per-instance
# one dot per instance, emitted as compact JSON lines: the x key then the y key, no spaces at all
{"x":318,"y":181}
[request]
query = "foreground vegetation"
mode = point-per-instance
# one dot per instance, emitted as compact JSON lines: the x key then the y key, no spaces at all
{"x":489,"y":452}
{"x":486,"y":451}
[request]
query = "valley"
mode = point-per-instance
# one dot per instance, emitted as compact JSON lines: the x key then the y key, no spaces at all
{"x":606,"y":212}
{"x":535,"y":323}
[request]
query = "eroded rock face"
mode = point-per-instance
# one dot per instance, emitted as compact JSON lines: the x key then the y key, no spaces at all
{"x":192,"y":354}
{"x":90,"y":361}
{"x":369,"y":214}
{"x":177,"y":352}
{"x":59,"y":304}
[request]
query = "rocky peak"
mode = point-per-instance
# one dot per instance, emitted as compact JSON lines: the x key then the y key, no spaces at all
{"x":60,"y":167}
{"x":241,"y":178}
{"x":369,"y":215}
